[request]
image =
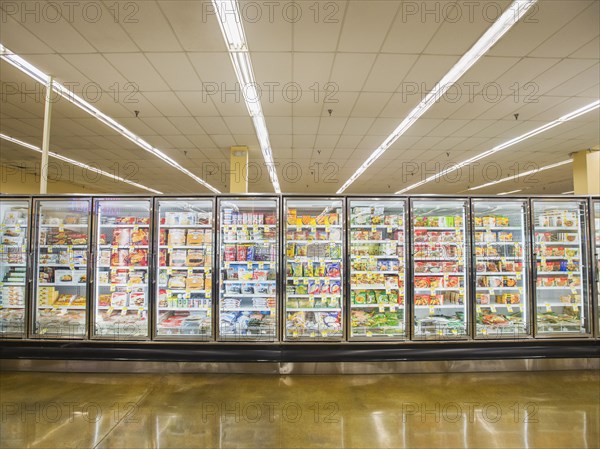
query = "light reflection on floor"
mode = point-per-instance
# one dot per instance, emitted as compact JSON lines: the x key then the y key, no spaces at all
{"x":477,"y":410}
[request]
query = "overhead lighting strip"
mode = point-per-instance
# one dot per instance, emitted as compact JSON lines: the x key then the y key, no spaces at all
{"x":510,"y":193}
{"x":494,"y":33}
{"x":79,"y":164}
{"x":230,"y":21}
{"x":27,"y":68}
{"x":509,"y":143}
{"x":527,"y":173}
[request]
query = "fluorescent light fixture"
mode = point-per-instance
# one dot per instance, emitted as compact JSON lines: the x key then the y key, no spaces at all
{"x":530,"y":172}
{"x":79,"y":164}
{"x":230,"y":21}
{"x":509,"y":193}
{"x":70,"y":96}
{"x":559,"y":121}
{"x":494,"y":33}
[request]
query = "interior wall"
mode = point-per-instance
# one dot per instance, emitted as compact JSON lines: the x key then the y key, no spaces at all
{"x":21,"y":182}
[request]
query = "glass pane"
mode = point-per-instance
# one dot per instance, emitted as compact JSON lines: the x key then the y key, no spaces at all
{"x":501,"y":297}
{"x":122,"y":256}
{"x":61,"y":268}
{"x":561,"y":271}
{"x":440,"y":309}
{"x":13,"y":265}
{"x":314,"y":287}
{"x":248,"y":272}
{"x":597,"y":252}
{"x":184,"y":269}
{"x":377,"y":269}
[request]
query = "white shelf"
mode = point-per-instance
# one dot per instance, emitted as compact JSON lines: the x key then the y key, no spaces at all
{"x":190,"y":226}
{"x":539,"y":258}
{"x":22,"y":284}
{"x":443,"y":306}
{"x":123,"y":246}
{"x":335,"y":242}
{"x":313,"y":309}
{"x":15,"y":264}
{"x":498,"y":228}
{"x":438,"y":289}
{"x":395,"y":227}
{"x":255,"y":241}
{"x":496,"y":273}
{"x":488,"y":306}
{"x":558,"y":243}
{"x":253,"y":295}
{"x":436,"y":259}
{"x":314,"y":278}
{"x":181,"y":290}
{"x":124,"y":226}
{"x":129,"y":308}
{"x":62,"y":307}
{"x":61,"y":284}
{"x":373,"y":287}
{"x":498,"y":288}
{"x":184,"y":268}
{"x":368,"y":242}
{"x":319,"y":296}
{"x":183,"y":309}
{"x":379,"y":256}
{"x":246,"y":226}
{"x":63,"y":246}
{"x":436,"y":243}
{"x":575,"y":287}
{"x":438,"y":228}
{"x":244,"y":262}
{"x":376,"y":306}
{"x":499,"y":243}
{"x":312,"y":259}
{"x":554,"y":228}
{"x":484,"y":258}
{"x":246,"y":309}
{"x":252,"y":281}
{"x":11,"y":307}
{"x":124,"y":285}
{"x":64,"y":225}
{"x":62,"y":265}
{"x":558,"y":273}
{"x":201,"y":246}
{"x":560,"y":304}
{"x":377,"y":272}
{"x":290,"y":227}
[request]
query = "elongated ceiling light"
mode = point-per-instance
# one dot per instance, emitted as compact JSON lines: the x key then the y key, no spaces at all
{"x":494,"y":33}
{"x":509,"y":143}
{"x":70,"y":96}
{"x":79,"y":164}
{"x":519,"y":175}
{"x":230,"y":21}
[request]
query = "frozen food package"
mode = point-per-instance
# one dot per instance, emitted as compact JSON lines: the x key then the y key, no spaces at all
{"x":178,"y":258}
{"x":195,"y":258}
{"x":121,"y":237}
{"x":176,"y":237}
{"x":195,"y":237}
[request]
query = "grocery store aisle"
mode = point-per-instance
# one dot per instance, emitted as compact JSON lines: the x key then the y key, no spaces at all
{"x":479,"y":410}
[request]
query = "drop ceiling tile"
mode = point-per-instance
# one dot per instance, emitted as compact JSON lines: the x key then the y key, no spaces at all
{"x":590,"y":50}
{"x":281,"y":141}
{"x":373,"y":19}
{"x":332,"y":125}
{"x":201,"y":140}
{"x":388,"y":71}
{"x":305,"y":125}
{"x":138,"y":70}
{"x":349,"y":141}
{"x":325,"y":141}
{"x":358,"y":126}
{"x":239,"y":125}
{"x":160,"y":125}
{"x":320,"y":26}
{"x":272,"y":69}
{"x":176,"y":70}
{"x":560,"y":73}
{"x":268,"y":33}
{"x":167,"y":103}
{"x":198,"y":104}
{"x":303,"y":140}
{"x":279,"y":125}
{"x":149,"y":28}
{"x":350,"y":70}
{"x":370,"y":104}
{"x":213,"y":125}
{"x":19,"y":39}
{"x":410,"y":34}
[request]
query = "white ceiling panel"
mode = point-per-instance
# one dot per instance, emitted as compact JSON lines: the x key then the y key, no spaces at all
{"x":319,"y":27}
{"x":137,"y":69}
{"x":350,"y":70}
{"x":373,"y":18}
{"x":176,"y":70}
{"x":167,"y":103}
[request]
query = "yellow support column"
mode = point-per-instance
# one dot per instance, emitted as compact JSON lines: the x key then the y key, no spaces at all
{"x":238,"y":169}
{"x":586,"y":172}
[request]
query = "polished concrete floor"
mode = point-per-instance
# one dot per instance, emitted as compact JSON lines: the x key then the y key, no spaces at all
{"x":478,"y":410}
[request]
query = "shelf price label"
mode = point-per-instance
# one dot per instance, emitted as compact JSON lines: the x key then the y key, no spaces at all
{"x":61,"y":228}
{"x":249,"y":265}
{"x":207,"y":294}
{"x":573,"y":290}
{"x":575,"y":307}
{"x":493,"y":308}
{"x":518,"y":276}
{"x":381,"y":308}
{"x":190,"y":271}
{"x":295,"y":334}
{"x":227,"y":264}
{"x":113,"y":288}
{"x":323,"y":333}
{"x":295,"y":280}
{"x":169,"y":270}
{"x":369,"y":334}
{"x":548,"y":308}
{"x":509,"y":308}
{"x":431,"y":310}
{"x":454,"y":332}
{"x":124,"y":311}
{"x":109,"y":310}
{"x":50,"y":248}
{"x":261,"y":265}
{"x":392,"y":307}
{"x":484,"y":331}
{"x":492,"y":291}
{"x":312,"y":335}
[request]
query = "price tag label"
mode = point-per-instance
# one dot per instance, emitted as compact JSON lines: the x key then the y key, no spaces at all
{"x":392,"y":307}
{"x":110,"y":310}
{"x":190,"y":271}
{"x":113,"y":288}
{"x":50,"y":248}
{"x":207,"y":294}
{"x":493,"y":308}
{"x":548,"y":308}
{"x":369,"y":334}
{"x":478,"y":309}
{"x":323,"y":333}
{"x":454,"y":332}
{"x":311,"y":298}
{"x":440,"y":332}
{"x":381,"y":308}
{"x":187,"y":294}
{"x":249,"y":265}
{"x":169,"y":270}
{"x":373,"y":228}
{"x":431,"y":310}
{"x":135,"y":228}
{"x":509,"y":308}
{"x":295,"y":280}
{"x":140,"y":311}
{"x":124,"y":311}
{"x":61,"y":228}
{"x":312,"y":335}
{"x":208,"y":312}
{"x":227,"y":264}
{"x":128,"y":288}
{"x":295,"y":334}
{"x":518,"y":276}
{"x":543,"y":260}
{"x":432,"y":291}
{"x":575,"y":307}
{"x":71,"y":266}
{"x":169,"y":249}
{"x":131,"y":249}
{"x":261,"y":265}
{"x":492,"y":291}
{"x":327,"y":228}
{"x":503,"y":260}
{"x":573,"y":290}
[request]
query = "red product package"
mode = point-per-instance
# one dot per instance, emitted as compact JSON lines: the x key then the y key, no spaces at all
{"x":230,"y":253}
{"x":162,"y":237}
{"x":242,"y":253}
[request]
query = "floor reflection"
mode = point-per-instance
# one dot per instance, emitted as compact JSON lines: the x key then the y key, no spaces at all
{"x":476,"y":410}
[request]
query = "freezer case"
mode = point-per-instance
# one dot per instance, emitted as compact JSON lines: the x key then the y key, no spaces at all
{"x":502,"y":268}
{"x":377,"y":263}
{"x":122,"y":256}
{"x":596,"y":262}
{"x":314,"y":264}
{"x":184,"y":269}
{"x":61,"y":268}
{"x":561,"y":268}
{"x":14,"y":245}
{"x":439,"y":249}
{"x":248,"y":269}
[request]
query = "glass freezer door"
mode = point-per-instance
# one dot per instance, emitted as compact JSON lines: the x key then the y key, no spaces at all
{"x":314,"y":263}
{"x":438,"y":251}
{"x":561,"y":282}
{"x":122,"y":256}
{"x":501,"y":268}
{"x":248,"y":271}
{"x":377,"y":269}
{"x":185,"y":268}
{"x":14,"y":214}
{"x":596,"y":240}
{"x":61,"y":268}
